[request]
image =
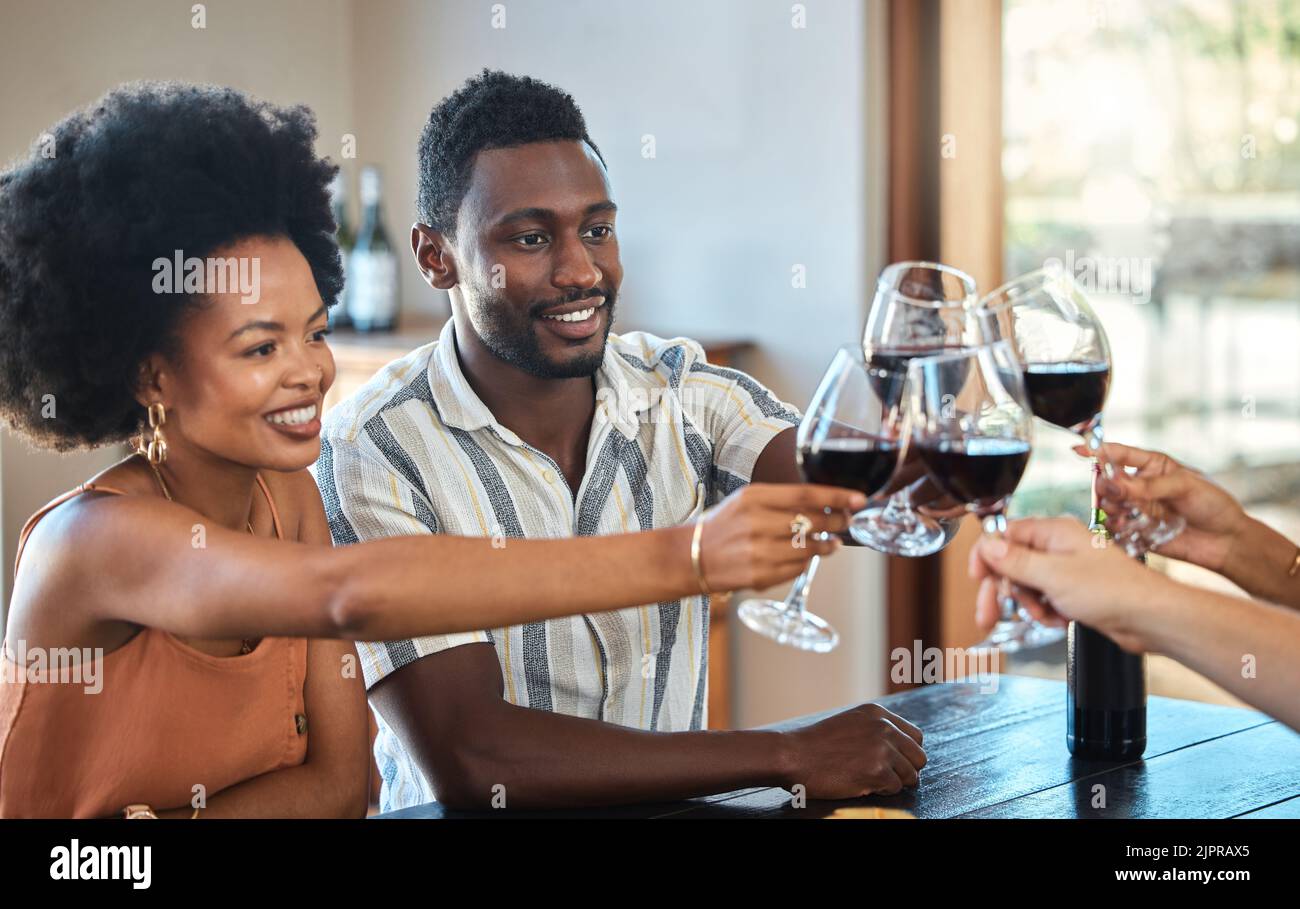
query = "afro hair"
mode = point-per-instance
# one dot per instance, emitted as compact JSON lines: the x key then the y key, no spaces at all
{"x":149,"y":169}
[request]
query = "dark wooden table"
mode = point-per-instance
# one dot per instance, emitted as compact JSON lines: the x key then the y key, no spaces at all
{"x":1002,"y":755}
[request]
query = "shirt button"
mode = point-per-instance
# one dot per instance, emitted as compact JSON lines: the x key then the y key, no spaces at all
{"x":548,"y":475}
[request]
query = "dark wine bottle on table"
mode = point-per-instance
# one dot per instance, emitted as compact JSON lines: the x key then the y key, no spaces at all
{"x":1106,"y":694}
{"x":372,"y":297}
{"x":338,"y":315}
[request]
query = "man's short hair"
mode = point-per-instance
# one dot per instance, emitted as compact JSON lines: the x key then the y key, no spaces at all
{"x":491,"y":110}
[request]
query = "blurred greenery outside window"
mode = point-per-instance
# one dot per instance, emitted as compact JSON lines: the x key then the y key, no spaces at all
{"x":1154,"y":147}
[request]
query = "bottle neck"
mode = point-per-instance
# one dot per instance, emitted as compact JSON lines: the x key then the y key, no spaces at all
{"x":1097,"y":517}
{"x":344,"y":231}
{"x":371,"y":194}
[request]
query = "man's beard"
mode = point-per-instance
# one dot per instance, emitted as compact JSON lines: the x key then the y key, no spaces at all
{"x":512,"y":336}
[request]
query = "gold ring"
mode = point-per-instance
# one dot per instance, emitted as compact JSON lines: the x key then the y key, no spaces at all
{"x":801,"y":524}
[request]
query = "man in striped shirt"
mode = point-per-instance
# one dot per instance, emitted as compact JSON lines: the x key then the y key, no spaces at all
{"x":527,"y":418}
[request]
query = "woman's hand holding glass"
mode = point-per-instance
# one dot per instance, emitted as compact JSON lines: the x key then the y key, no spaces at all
{"x":1061,"y":573}
{"x":1219,"y":535}
{"x":1215,"y":521}
{"x":745,"y":541}
{"x":849,"y":437}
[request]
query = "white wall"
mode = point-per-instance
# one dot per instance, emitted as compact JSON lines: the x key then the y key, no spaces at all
{"x":59,"y":55}
{"x":762,"y":162}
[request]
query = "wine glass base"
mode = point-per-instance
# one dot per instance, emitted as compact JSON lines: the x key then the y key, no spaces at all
{"x":1043,"y":636}
{"x":1016,"y":635}
{"x":917,"y":537}
{"x":771,"y":619}
{"x":1008,"y":636}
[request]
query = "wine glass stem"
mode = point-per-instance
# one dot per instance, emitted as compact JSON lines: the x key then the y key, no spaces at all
{"x":798,"y":595}
{"x":995,"y":525}
{"x":1094,"y":437}
{"x":898,"y":512}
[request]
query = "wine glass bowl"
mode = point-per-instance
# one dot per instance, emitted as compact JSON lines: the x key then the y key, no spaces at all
{"x":849,"y":438}
{"x":972,"y":429}
{"x":919,"y":308}
{"x":1061,"y":345}
{"x":982,"y":471}
{"x":1065,"y":355}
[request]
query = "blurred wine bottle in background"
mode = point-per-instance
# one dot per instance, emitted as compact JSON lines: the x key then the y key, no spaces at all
{"x":372,"y":296}
{"x":1106,"y":690}
{"x":343,"y":234}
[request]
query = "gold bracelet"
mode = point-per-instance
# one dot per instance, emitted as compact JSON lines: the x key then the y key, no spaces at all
{"x":1295,"y":564}
{"x":695,"y":556}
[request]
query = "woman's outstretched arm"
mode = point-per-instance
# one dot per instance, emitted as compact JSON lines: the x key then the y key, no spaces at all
{"x":150,"y":562}
{"x":1219,"y":534}
{"x":1250,"y":648}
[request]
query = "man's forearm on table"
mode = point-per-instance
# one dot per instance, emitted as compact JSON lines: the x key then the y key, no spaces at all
{"x":550,"y":760}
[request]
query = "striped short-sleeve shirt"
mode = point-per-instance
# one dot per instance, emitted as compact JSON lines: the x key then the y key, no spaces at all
{"x":416,"y":451}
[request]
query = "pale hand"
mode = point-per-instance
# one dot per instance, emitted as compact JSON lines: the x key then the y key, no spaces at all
{"x":1215,"y":520}
{"x":1064,"y":572}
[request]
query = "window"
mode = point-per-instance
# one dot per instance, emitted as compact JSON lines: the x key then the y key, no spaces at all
{"x":1154,"y":147}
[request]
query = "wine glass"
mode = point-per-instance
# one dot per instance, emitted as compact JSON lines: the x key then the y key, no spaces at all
{"x":1067,"y":365}
{"x":919,"y":308}
{"x":970,"y":424}
{"x":845,"y":439}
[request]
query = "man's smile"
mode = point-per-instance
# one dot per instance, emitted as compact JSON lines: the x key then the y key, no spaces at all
{"x":575,"y":321}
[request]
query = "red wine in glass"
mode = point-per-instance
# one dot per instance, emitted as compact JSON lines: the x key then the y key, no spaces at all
{"x":918,"y":308}
{"x":975,"y":443}
{"x":854,"y":462}
{"x":888,"y":369}
{"x":979,"y":470}
{"x":847,"y":438}
{"x":1067,"y":394}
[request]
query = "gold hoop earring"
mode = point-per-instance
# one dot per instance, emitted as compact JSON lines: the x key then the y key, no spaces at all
{"x":156,"y":450}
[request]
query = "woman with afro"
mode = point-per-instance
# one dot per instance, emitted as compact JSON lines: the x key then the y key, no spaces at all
{"x":198,"y":572}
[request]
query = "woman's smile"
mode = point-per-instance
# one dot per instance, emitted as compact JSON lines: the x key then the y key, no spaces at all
{"x":300,"y":420}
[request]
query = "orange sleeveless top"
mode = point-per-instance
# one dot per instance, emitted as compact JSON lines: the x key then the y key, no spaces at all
{"x":147,"y":722}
